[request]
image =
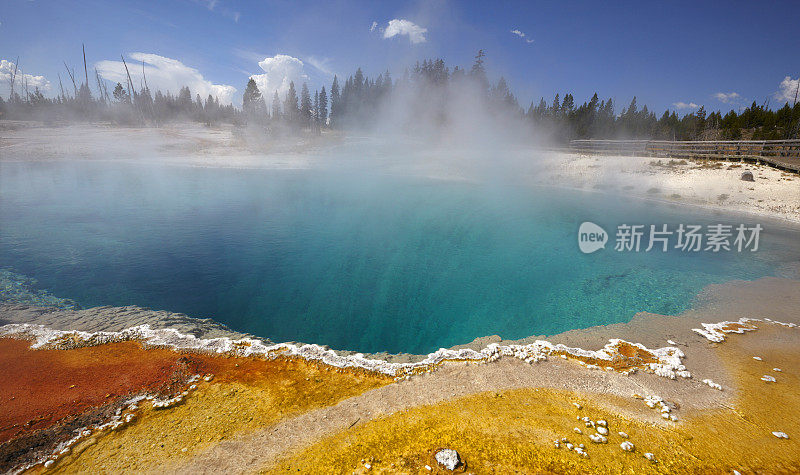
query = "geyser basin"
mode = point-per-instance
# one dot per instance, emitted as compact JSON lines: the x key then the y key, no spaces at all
{"x":363,"y":262}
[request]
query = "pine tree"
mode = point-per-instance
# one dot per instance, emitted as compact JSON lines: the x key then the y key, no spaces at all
{"x":184,"y":100}
{"x":315,"y":113}
{"x":120,"y":95}
{"x":335,"y":101}
{"x":290,"y":107}
{"x":323,"y":107}
{"x":252,"y":102}
{"x":555,"y":110}
{"x":305,"y":107}
{"x":276,"y":107}
{"x":478,"y":72}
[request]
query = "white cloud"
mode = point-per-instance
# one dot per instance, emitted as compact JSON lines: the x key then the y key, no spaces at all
{"x":787,"y":90}
{"x":685,"y":105}
{"x":415,"y":33}
{"x":321,"y":64}
{"x":164,"y":74}
{"x":211,"y":5}
{"x":727,"y":98}
{"x":279,"y":71}
{"x":7,"y":70}
{"x":373,"y":26}
{"x":522,"y":35}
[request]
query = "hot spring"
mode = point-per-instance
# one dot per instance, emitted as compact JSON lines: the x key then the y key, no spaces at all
{"x":369,"y":261}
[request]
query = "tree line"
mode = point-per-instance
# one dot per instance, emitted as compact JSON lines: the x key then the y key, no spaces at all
{"x":124,"y":106}
{"x":429,"y":90}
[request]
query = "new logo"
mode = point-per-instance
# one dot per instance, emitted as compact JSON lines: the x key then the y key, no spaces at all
{"x":591,"y":237}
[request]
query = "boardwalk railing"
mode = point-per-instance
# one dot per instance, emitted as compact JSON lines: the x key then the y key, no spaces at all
{"x":783,"y":154}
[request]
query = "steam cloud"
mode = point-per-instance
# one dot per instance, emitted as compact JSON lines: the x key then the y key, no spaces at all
{"x":279,"y":71}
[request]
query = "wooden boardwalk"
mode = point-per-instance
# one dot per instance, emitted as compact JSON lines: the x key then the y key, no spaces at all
{"x":783,"y":154}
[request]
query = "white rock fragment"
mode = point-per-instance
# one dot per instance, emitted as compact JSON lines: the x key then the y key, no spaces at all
{"x":624,"y":435}
{"x":602,"y":423}
{"x":428,"y":468}
{"x":757,"y":358}
{"x":780,"y":435}
{"x":627,"y":446}
{"x":776,"y":369}
{"x":712,"y":384}
{"x":577,"y":431}
{"x":49,"y":463}
{"x":768,"y":379}
{"x":598,"y":439}
{"x":652,"y":401}
{"x":367,"y":466}
{"x":578,"y":406}
{"x":569,"y":446}
{"x":649,"y":456}
{"x":602,"y":430}
{"x":448,"y":458}
{"x":671,"y":342}
{"x":208,"y":377}
{"x":557,"y":444}
{"x":715,"y":332}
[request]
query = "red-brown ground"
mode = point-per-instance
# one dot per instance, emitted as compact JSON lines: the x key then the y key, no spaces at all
{"x":47,"y":395}
{"x":40,"y":388}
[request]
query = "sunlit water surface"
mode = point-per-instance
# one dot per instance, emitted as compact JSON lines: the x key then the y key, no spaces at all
{"x":369,"y":261}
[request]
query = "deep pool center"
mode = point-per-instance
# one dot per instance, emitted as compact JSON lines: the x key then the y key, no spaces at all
{"x":368,"y":261}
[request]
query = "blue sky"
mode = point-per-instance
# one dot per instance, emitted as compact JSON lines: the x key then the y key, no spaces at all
{"x":665,"y":53}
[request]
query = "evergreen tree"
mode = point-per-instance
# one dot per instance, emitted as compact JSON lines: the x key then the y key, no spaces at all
{"x":120,"y":95}
{"x":315,"y":113}
{"x":323,"y":107}
{"x":555,"y":110}
{"x":291,"y":109}
{"x":306,"y":107}
{"x":276,"y":107}
{"x":185,"y":100}
{"x":478,"y":72}
{"x":252,"y":102}
{"x":335,"y":100}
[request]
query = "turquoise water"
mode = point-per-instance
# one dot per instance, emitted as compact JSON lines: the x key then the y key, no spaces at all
{"x":358,"y":261}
